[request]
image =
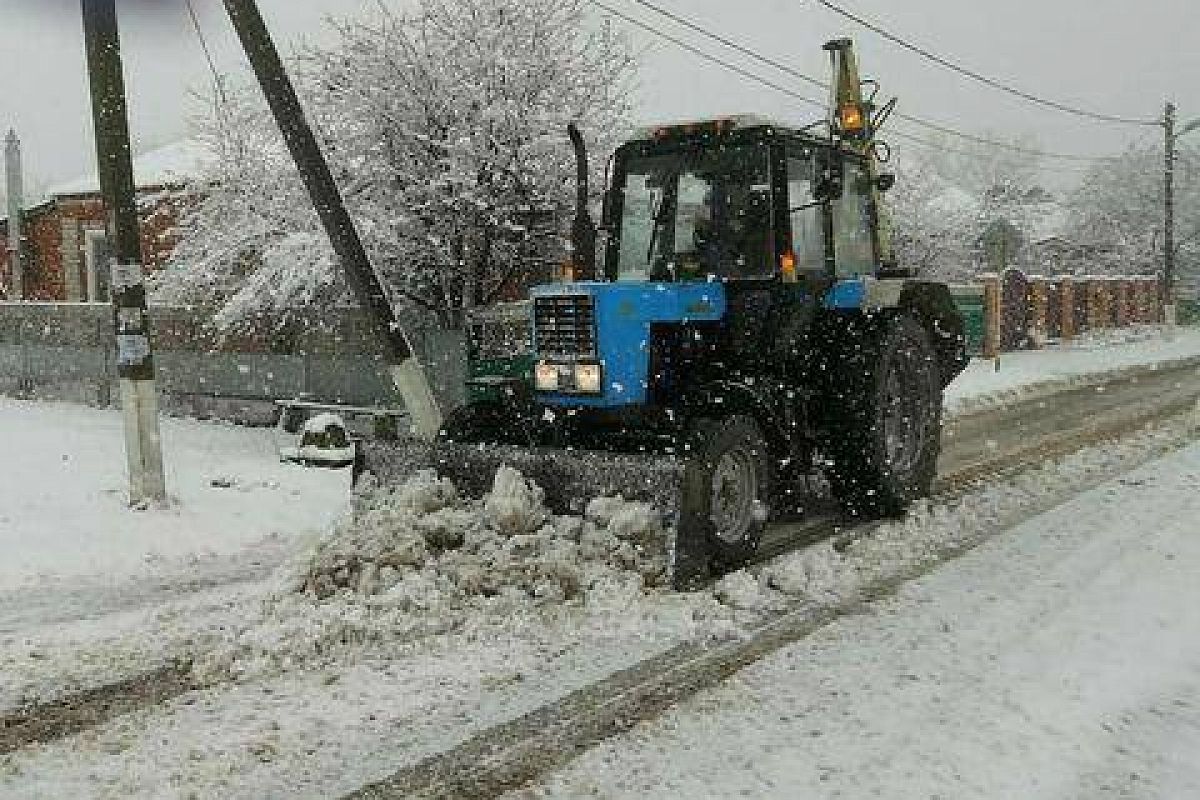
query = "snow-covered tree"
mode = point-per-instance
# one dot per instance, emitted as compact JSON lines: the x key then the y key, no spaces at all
{"x":933,"y":222}
{"x":446,"y":130}
{"x":977,"y":167}
{"x":1118,"y":212}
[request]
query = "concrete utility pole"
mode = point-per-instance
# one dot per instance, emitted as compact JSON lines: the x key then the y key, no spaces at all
{"x":1169,"y":220}
{"x":15,"y":188}
{"x":1172,"y":134}
{"x":135,"y":363}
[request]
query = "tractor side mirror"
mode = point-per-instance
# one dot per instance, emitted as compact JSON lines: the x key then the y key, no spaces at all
{"x":885,"y":181}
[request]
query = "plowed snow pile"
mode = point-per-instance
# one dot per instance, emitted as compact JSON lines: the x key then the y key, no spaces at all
{"x":417,"y":560}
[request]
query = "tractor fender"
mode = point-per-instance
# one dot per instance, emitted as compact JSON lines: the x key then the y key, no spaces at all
{"x":930,"y":302}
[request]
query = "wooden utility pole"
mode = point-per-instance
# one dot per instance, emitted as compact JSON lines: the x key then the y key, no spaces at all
{"x":15,"y":183}
{"x":1169,"y":221}
{"x":135,"y":363}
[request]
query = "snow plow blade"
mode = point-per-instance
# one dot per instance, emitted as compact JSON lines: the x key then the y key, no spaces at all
{"x":570,"y":480}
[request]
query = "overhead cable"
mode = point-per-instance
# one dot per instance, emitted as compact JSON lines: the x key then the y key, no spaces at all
{"x":792,"y":71}
{"x":976,"y":76}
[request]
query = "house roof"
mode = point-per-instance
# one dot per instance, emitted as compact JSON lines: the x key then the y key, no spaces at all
{"x":171,"y":164}
{"x":163,"y":166}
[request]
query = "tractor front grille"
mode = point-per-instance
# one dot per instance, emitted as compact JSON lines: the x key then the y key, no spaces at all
{"x":500,"y":332}
{"x":565,"y":326}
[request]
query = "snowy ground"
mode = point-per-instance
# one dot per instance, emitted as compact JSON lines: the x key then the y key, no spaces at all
{"x":86,"y":583}
{"x":360,"y":712}
{"x":1019,"y":375}
{"x":64,"y":514}
{"x":333,"y":694}
{"x":1061,"y":660}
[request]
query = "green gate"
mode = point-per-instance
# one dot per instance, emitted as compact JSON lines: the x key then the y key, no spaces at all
{"x":968,"y":298}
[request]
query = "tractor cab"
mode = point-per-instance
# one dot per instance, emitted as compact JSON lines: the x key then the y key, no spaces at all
{"x":738,"y":199}
{"x":733,"y":232}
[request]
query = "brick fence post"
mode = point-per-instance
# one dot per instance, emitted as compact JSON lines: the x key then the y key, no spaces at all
{"x":991,"y":316}
{"x":1066,"y":308}
{"x":1095,"y":304}
{"x":1040,"y":301}
{"x":1122,"y":302}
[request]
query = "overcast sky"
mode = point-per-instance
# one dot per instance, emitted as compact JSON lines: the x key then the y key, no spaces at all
{"x":1115,"y":56}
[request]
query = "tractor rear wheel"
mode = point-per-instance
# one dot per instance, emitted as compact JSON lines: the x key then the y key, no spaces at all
{"x":883,"y":433}
{"x":727,"y":487}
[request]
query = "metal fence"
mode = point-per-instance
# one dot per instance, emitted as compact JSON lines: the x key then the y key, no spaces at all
{"x":65,"y":352}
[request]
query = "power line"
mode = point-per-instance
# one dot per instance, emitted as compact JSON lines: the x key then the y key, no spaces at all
{"x":790,"y":70}
{"x":687,"y":23}
{"x":976,"y":76}
{"x":212,"y":67}
{"x":729,"y":65}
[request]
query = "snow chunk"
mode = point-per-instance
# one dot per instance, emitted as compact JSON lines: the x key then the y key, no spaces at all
{"x":515,"y":505}
{"x":417,"y":559}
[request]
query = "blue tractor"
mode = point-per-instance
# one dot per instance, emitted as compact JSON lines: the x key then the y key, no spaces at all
{"x":749,"y":348}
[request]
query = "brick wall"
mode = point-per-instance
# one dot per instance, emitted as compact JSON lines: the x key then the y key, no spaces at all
{"x":56,"y":261}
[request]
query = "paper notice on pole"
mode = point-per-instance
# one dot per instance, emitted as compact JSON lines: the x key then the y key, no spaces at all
{"x":132,"y":350}
{"x":129,"y":320}
{"x":126,"y":276}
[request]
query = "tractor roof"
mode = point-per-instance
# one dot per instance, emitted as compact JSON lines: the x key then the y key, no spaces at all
{"x":716,"y":124}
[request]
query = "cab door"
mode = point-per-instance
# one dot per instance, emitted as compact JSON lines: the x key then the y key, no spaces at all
{"x":853,"y":221}
{"x":806,"y":220}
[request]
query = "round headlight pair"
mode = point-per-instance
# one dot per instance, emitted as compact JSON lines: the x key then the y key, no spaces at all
{"x":582,"y":378}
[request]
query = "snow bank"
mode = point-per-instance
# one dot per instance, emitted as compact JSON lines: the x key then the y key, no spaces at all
{"x":824,"y":575}
{"x":1098,"y":355}
{"x":417,"y":560}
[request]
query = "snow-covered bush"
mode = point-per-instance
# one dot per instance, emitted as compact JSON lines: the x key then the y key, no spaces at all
{"x":446,"y":131}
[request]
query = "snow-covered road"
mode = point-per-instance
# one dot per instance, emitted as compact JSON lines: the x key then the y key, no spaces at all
{"x":1061,"y":660}
{"x":325,"y":697}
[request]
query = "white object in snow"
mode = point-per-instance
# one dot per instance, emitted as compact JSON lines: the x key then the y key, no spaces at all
{"x":323,"y":442}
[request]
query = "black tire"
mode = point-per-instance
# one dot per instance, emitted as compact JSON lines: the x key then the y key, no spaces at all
{"x":883,"y":416}
{"x":726,"y":489}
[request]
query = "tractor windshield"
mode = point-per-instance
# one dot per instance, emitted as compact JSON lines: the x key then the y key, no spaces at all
{"x":696,"y":212}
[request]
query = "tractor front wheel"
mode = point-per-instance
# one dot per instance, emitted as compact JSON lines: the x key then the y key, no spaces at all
{"x":727,"y":487}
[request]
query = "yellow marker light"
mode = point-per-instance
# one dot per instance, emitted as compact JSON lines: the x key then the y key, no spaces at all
{"x":787,"y":267}
{"x":568,"y":272}
{"x":587,"y":378}
{"x":851,"y":118}
{"x":545,"y":377}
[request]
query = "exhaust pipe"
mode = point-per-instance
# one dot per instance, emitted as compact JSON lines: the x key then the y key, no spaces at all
{"x":583,"y":230}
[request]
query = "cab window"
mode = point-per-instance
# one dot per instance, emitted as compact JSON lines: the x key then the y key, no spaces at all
{"x":697,"y":212}
{"x":807,"y":223}
{"x":853,"y":244}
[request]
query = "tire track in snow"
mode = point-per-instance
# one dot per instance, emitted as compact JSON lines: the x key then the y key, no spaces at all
{"x":511,"y":754}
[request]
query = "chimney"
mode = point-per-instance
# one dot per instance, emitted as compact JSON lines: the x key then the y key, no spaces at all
{"x":15,"y":191}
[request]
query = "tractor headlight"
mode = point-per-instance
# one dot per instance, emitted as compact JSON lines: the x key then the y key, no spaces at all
{"x":545,"y":377}
{"x":587,"y":378}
